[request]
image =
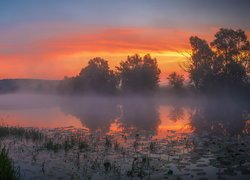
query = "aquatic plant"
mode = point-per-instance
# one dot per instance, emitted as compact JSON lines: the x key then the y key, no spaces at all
{"x":140,"y":167}
{"x":19,"y":132}
{"x":108,"y":142}
{"x":94,"y":155}
{"x":152,"y":146}
{"x":68,"y":145}
{"x":7,"y":169}
{"x":107,"y":166}
{"x":83,"y":146}
{"x":116,"y":146}
{"x":50,"y":145}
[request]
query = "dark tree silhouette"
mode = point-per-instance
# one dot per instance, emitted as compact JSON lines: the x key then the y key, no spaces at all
{"x":223,"y":63}
{"x":233,"y":51}
{"x":175,"y":80}
{"x":95,"y":77}
{"x":98,"y":77}
{"x":200,"y":64}
{"x":139,"y":74}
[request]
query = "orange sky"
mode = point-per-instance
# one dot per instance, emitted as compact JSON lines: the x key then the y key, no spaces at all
{"x":64,"y":54}
{"x":51,"y":39}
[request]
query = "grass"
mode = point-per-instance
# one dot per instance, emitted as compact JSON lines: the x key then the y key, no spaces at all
{"x":7,"y":169}
{"x":19,"y":132}
{"x":136,"y":156}
{"x":83,"y":146}
{"x":50,"y":145}
{"x":66,"y":144}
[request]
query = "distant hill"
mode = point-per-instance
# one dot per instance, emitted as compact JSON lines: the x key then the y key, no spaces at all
{"x":28,"y":85}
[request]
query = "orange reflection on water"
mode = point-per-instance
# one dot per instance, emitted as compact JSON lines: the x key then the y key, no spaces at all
{"x":172,"y":119}
{"x":115,"y":127}
{"x":38,"y":118}
{"x":169,"y":123}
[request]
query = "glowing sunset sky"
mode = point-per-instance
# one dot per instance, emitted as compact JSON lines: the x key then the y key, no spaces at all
{"x":51,"y":39}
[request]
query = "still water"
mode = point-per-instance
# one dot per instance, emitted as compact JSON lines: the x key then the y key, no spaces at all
{"x":130,"y":137}
{"x":95,"y":114}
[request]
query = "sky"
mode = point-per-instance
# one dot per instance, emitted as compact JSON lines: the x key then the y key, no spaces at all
{"x":51,"y":39}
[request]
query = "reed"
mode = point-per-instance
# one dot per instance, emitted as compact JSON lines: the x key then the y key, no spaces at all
{"x":19,"y":132}
{"x":7,"y":169}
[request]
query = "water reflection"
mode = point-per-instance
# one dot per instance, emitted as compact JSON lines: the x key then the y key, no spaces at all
{"x":135,"y":115}
{"x":184,"y":135}
{"x":221,"y":135}
{"x":140,"y":115}
{"x":176,"y":113}
{"x":220,"y":117}
{"x":94,"y":113}
{"x":107,"y":114}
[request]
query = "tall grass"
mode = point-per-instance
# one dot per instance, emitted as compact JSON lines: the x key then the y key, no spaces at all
{"x":7,"y":168}
{"x":20,"y":132}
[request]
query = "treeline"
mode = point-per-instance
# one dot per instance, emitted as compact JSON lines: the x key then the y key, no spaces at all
{"x":220,"y":66}
{"x":134,"y":75}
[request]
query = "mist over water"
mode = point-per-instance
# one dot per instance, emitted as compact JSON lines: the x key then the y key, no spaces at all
{"x":137,"y":113}
{"x":202,"y":134}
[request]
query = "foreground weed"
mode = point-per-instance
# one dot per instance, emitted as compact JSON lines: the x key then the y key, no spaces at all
{"x":7,"y":169}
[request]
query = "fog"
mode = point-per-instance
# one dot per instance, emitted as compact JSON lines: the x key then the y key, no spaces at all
{"x":214,"y":115}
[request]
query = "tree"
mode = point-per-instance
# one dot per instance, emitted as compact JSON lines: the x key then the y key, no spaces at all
{"x":200,"y":67}
{"x":139,"y":74}
{"x":229,"y":44}
{"x":223,"y":63}
{"x":233,"y":50}
{"x":176,"y":81}
{"x":97,"y":77}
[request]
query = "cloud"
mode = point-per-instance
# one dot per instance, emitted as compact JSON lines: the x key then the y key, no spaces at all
{"x":32,"y":43}
{"x":31,"y":50}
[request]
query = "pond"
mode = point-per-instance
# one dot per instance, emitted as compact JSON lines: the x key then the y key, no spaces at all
{"x":53,"y":137}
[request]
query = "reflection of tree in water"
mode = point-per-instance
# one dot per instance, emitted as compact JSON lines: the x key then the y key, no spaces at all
{"x":176,"y":113}
{"x":94,"y":113}
{"x":216,"y":125}
{"x":220,"y":117}
{"x":140,"y":114}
